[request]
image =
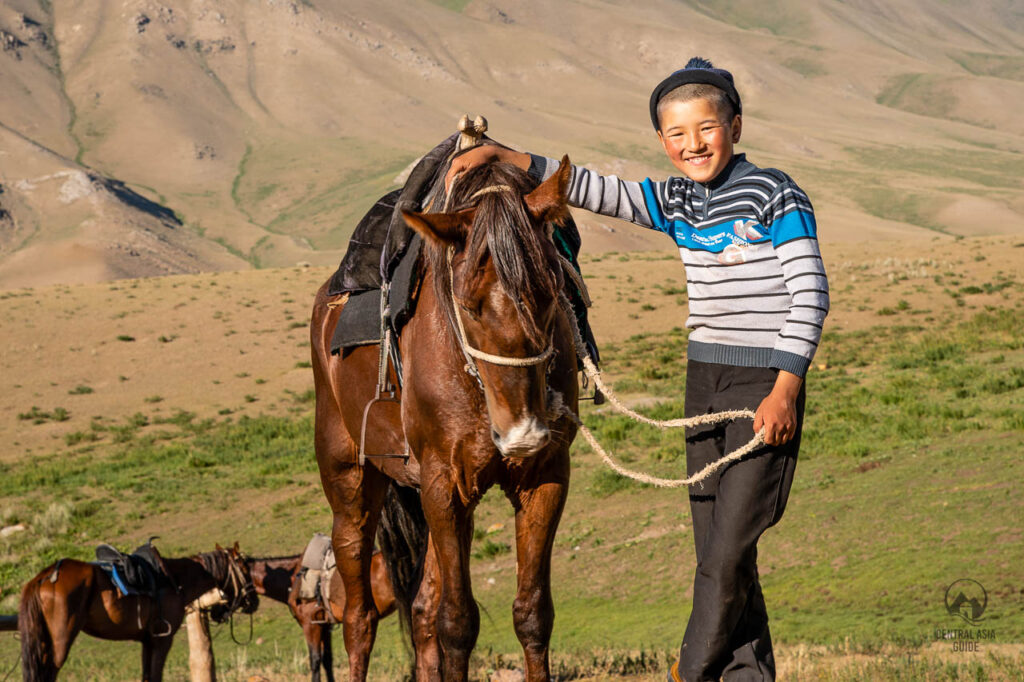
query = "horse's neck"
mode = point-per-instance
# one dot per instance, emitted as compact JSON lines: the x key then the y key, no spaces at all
{"x":273,"y":577}
{"x":191,"y":577}
{"x":435,"y":318}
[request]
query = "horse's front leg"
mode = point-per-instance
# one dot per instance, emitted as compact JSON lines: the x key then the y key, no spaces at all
{"x":356,"y":496}
{"x":424,"y":620}
{"x":451,"y":530}
{"x":538,"y":499}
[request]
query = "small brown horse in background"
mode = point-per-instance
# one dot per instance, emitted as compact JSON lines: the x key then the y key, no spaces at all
{"x":278,"y":578}
{"x":490,"y":263}
{"x":70,"y":596}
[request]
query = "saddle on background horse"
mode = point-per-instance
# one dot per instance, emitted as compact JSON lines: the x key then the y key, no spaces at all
{"x":318,"y":566}
{"x":141,"y":572}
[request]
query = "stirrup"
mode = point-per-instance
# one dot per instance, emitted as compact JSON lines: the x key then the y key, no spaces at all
{"x":385,"y":391}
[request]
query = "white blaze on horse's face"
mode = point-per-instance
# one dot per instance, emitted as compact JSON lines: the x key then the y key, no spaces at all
{"x":524,"y":439}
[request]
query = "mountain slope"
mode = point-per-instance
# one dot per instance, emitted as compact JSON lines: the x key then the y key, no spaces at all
{"x":269,"y":127}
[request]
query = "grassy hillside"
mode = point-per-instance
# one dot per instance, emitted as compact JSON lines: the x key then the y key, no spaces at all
{"x":905,"y":482}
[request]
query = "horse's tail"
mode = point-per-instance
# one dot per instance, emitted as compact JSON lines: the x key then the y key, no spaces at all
{"x":402,"y":535}
{"x":37,"y":655}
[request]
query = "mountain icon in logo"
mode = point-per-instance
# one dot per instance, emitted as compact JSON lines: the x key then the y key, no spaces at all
{"x":968,"y":599}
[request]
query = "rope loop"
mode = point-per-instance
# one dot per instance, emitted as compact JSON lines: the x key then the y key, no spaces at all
{"x":590,"y":370}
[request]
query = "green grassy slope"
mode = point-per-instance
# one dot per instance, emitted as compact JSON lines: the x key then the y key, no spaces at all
{"x":906,"y":483}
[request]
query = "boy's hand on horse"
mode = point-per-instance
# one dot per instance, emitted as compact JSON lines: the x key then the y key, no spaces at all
{"x":482,"y":154}
{"x":777,"y":412}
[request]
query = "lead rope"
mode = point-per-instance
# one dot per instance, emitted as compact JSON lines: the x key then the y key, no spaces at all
{"x":590,"y":369}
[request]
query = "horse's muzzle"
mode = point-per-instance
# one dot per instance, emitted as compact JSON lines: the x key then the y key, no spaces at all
{"x":525,"y":439}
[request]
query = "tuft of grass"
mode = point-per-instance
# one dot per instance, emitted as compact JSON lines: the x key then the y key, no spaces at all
{"x":489,"y":548}
{"x":38,"y":416}
{"x":54,"y":520}
{"x":81,"y":389}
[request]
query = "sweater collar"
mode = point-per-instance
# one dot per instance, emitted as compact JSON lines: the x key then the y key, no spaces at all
{"x":737,"y":167}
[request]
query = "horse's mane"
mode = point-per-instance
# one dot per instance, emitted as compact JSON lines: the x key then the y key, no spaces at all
{"x":216,"y":564}
{"x":503,"y":230}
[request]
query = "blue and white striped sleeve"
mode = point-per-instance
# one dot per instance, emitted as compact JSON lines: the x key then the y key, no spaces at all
{"x":637,"y":202}
{"x":790,"y":219}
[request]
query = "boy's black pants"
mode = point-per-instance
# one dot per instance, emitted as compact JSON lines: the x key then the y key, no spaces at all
{"x":727,"y":636}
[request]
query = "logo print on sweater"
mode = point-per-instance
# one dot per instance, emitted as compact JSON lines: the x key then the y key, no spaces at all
{"x":733,"y":254}
{"x":746,"y":230}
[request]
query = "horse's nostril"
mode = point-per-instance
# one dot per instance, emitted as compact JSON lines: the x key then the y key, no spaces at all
{"x":495,"y":438}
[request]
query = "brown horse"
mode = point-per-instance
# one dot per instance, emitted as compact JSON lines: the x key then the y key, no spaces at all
{"x":278,"y":579}
{"x":487,"y":359}
{"x":70,"y":596}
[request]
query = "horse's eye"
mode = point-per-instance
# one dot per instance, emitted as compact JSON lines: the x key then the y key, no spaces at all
{"x":472,"y":312}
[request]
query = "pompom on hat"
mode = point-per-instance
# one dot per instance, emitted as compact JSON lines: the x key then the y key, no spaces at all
{"x":697,"y":70}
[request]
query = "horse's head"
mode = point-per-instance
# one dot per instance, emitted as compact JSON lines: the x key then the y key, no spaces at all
{"x":497,"y":272}
{"x":231,"y":570}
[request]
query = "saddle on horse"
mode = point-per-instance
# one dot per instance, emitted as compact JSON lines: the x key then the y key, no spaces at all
{"x":383,"y":252}
{"x":141,"y":572}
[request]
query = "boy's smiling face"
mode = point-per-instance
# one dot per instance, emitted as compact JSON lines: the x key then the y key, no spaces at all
{"x":696,"y":139}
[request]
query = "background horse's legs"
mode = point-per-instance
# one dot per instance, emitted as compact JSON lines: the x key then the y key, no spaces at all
{"x":451,"y":530}
{"x":314,"y":642}
{"x":327,"y":653}
{"x":424,"y":620}
{"x":357,"y":494}
{"x":154,"y":655}
{"x":538,"y":510}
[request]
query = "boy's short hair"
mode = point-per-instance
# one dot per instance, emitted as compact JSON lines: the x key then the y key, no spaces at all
{"x":691,"y":91}
{"x":698,"y":71}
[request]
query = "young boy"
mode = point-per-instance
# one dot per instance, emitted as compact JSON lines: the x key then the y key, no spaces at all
{"x":758,"y":298}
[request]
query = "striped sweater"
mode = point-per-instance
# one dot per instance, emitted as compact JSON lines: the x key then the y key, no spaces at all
{"x":756,"y":282}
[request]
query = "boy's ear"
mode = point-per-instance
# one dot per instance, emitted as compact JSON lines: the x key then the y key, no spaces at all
{"x":441,"y":229}
{"x":548,"y":203}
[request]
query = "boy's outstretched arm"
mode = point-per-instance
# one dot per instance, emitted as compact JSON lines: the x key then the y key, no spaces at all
{"x":636,"y":202}
{"x":485,"y":154}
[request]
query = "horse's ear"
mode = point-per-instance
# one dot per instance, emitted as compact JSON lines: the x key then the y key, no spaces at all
{"x":442,"y":229}
{"x":218,"y":547}
{"x":548,"y":202}
{"x":238,"y":550}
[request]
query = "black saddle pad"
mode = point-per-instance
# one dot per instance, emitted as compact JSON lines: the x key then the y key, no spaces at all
{"x":359,"y":322}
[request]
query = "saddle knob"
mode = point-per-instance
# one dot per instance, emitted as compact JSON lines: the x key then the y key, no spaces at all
{"x":471,"y":131}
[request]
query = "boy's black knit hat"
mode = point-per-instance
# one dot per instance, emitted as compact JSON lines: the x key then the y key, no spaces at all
{"x":697,"y":70}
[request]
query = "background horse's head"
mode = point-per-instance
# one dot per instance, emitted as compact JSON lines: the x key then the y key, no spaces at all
{"x":234,"y":579}
{"x":497,"y":274}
